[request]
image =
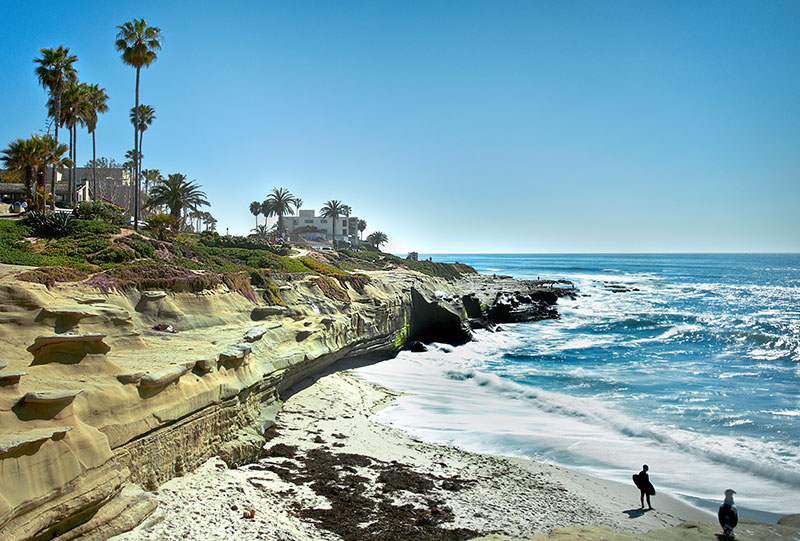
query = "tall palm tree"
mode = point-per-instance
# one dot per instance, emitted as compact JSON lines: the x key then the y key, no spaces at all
{"x":332,"y":210}
{"x":24,"y":155}
{"x":138,"y":44}
{"x":146,"y":116}
{"x":255,"y":210}
{"x":362,"y":225}
{"x":151,"y":176}
{"x":298,"y":203}
{"x":97,"y":99}
{"x":178,"y":194}
{"x":75,"y":110}
{"x":377,"y":238}
{"x":281,"y":201}
{"x":54,"y":70}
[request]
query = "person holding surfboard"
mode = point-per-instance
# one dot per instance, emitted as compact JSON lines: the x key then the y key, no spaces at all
{"x":642,"y":482}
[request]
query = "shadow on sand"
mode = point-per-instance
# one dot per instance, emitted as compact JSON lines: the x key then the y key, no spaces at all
{"x":635,"y":513}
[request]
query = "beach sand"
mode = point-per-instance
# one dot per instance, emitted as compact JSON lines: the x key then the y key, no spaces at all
{"x":329,"y":472}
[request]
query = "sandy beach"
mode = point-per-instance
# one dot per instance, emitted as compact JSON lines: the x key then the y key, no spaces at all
{"x":329,"y":472}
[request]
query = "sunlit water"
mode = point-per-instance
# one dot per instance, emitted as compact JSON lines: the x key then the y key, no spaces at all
{"x":695,"y":373}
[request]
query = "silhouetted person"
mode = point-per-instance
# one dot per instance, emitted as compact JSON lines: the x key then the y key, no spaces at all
{"x":728,"y":514}
{"x":642,"y":482}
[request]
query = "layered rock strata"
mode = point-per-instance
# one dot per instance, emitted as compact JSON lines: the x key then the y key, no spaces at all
{"x":94,"y":400}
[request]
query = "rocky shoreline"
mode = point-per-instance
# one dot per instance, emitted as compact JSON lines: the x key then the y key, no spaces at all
{"x":102,"y":411}
{"x":96,"y":399}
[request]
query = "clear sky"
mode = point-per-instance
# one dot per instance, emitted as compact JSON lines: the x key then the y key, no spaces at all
{"x":463,"y":126}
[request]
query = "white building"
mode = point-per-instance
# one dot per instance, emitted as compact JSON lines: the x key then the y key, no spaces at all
{"x":308,"y":226}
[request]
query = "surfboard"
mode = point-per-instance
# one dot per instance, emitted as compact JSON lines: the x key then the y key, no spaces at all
{"x":644,"y":486}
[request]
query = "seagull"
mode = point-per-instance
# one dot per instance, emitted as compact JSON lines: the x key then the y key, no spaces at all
{"x":728,"y":515}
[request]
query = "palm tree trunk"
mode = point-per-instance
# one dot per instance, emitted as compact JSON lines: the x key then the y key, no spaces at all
{"x":136,"y":154}
{"x":53,"y":178}
{"x":139,"y":156}
{"x":94,"y":169}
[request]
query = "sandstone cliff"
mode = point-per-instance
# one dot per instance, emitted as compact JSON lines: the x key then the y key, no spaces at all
{"x":93,"y":401}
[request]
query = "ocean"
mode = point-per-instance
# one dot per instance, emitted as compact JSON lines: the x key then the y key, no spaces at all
{"x":694,"y":370}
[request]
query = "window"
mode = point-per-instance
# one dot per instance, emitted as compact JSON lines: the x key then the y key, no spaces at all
{"x":308,"y":221}
{"x":344,"y":223}
{"x":296,"y":222}
{"x":323,"y":221}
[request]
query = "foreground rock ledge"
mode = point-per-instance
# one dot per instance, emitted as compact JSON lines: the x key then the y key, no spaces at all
{"x":96,"y":401}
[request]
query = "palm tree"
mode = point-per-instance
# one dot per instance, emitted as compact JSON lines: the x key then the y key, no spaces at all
{"x":24,"y":155}
{"x":96,"y":97}
{"x":362,"y":225}
{"x":332,"y":210}
{"x":138,"y":44}
{"x":255,"y":210}
{"x":54,"y":70}
{"x":74,"y":110}
{"x":261,"y":231}
{"x":209,"y":221}
{"x":52,"y":155}
{"x":280,"y":202}
{"x":146,"y":116}
{"x":377,"y":238}
{"x":151,"y":176}
{"x":178,"y":194}
{"x":298,"y":203}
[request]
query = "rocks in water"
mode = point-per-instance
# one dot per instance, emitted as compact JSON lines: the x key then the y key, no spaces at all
{"x":417,"y":347}
{"x":522,"y":307}
{"x":436,"y":321}
{"x":472,"y":305}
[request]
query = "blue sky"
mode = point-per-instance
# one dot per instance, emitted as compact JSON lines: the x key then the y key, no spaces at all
{"x":457,"y":126}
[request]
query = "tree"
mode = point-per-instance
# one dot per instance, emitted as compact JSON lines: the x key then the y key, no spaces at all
{"x":24,"y":155}
{"x":362,"y":225}
{"x":54,"y":70}
{"x":97,"y":99}
{"x":177,"y":194}
{"x":280,"y":202}
{"x":332,"y":210}
{"x":151,"y":176}
{"x":377,"y":238}
{"x":255,"y":210}
{"x":298,"y":203}
{"x":146,"y":115}
{"x":52,"y":155}
{"x":74,"y":111}
{"x":138,"y":44}
{"x":261,"y":231}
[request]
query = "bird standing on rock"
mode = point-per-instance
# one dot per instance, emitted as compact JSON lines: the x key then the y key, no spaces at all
{"x":728,"y":514}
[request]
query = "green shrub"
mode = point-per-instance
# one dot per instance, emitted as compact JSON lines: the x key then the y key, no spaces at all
{"x":51,"y":224}
{"x":249,"y":243}
{"x":113,"y":254}
{"x":100,"y":210}
{"x":94,"y":227}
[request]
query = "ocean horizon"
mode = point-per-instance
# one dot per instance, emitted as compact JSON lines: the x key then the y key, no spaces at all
{"x":686,"y":362}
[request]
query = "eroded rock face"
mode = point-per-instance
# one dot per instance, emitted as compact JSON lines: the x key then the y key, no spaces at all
{"x":112,"y":402}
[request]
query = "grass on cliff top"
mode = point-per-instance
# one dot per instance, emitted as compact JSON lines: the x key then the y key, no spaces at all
{"x":97,"y":247}
{"x":367,"y":260}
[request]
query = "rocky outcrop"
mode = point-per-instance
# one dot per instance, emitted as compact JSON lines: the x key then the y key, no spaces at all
{"x":93,"y":401}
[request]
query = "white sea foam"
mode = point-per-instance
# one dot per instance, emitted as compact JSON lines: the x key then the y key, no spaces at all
{"x":455,"y":403}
